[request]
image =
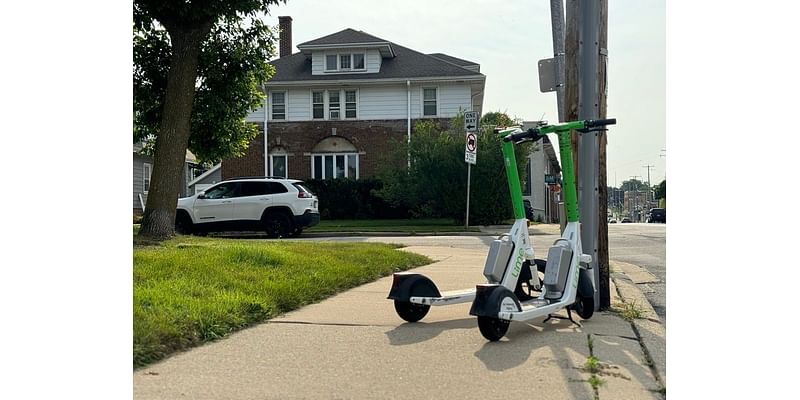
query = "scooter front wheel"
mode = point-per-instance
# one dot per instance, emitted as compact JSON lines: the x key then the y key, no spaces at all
{"x":493,"y":328}
{"x":409,"y":311}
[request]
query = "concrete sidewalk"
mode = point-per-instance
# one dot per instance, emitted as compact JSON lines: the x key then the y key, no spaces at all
{"x":354,"y":346}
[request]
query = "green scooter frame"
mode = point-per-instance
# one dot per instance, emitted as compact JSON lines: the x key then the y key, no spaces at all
{"x":567,"y":282}
{"x":510,"y":263}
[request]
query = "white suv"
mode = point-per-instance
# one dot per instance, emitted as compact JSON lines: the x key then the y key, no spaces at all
{"x":280,"y":207}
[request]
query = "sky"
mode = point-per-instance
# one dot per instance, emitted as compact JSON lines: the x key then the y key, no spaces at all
{"x":508,"y":38}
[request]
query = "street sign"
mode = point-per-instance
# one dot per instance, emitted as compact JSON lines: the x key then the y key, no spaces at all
{"x":471,"y":148}
{"x":470,"y":121}
{"x":549,"y":178}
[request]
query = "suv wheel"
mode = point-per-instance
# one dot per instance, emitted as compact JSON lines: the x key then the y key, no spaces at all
{"x":183,"y":224}
{"x":277,"y":225}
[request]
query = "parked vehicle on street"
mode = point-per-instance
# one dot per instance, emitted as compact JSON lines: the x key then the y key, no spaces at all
{"x":657,"y":215}
{"x":625,"y":220}
{"x":612,"y":221}
{"x":528,"y":209}
{"x":280,"y":207}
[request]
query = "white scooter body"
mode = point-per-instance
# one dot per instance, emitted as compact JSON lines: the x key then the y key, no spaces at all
{"x":521,"y":239}
{"x":541,"y":306}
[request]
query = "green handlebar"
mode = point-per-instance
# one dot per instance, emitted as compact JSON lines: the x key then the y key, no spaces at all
{"x":565,"y":149}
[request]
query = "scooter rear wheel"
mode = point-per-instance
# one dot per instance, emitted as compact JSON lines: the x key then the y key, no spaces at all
{"x":493,"y":328}
{"x":409,"y":311}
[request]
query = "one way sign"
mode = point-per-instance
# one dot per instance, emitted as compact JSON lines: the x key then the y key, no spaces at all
{"x":471,"y":121}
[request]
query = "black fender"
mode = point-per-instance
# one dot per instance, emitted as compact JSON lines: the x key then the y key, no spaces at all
{"x":405,"y":285}
{"x":488,"y":298}
{"x":585,"y":287}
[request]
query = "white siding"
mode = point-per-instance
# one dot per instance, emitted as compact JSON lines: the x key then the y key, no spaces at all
{"x":373,"y":61}
{"x":382,"y":102}
{"x":255,"y":116}
{"x":299,"y":105}
{"x":452,"y":99}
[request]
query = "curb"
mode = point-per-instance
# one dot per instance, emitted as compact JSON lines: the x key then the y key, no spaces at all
{"x":493,"y":230}
{"x":649,"y":329}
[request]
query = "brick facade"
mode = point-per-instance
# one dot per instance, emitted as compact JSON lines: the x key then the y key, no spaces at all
{"x":373,"y":140}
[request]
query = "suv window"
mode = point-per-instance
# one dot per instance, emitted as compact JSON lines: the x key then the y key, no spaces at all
{"x":302,"y":188}
{"x":221,"y":191}
{"x":260,"y":188}
{"x":275,"y":188}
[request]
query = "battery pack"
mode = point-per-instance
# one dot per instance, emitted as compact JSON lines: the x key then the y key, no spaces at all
{"x":496,"y":261}
{"x":556,"y":271}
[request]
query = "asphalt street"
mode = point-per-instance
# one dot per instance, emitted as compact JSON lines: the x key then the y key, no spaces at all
{"x":646,"y":246}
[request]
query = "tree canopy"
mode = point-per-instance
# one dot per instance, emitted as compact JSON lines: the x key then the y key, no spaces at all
{"x":197,"y":70}
{"x":661,"y":190}
{"x":232,"y":66}
{"x":633,"y":184}
{"x":435,"y":185}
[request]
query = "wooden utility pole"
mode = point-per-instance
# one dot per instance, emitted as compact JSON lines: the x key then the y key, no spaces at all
{"x":602,"y":234}
{"x":571,"y":99}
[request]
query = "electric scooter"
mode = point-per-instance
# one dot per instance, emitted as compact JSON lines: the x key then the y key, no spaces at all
{"x":567,"y":281}
{"x":414,"y":294}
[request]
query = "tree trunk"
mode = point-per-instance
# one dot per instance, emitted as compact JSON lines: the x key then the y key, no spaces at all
{"x":158,"y":221}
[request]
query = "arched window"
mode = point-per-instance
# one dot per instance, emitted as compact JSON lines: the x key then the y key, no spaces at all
{"x":334,"y":157}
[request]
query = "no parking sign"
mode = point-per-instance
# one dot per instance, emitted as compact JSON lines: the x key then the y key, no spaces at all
{"x":471,"y":147}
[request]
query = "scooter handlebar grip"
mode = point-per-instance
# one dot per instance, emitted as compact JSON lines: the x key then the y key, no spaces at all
{"x":600,"y":122}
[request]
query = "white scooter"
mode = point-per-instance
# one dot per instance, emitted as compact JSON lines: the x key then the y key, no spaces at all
{"x":414,"y":294}
{"x":567,"y":281}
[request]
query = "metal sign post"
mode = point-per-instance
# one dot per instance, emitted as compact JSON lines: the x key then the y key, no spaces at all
{"x":470,"y":151}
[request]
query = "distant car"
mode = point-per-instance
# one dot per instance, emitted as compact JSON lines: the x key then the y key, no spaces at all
{"x":279,"y":207}
{"x":612,"y":221}
{"x":657,"y":215}
{"x":625,"y":220}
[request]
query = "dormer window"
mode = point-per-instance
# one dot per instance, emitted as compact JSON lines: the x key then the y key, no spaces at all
{"x":330,"y":62}
{"x":345,"y":62}
{"x":358,"y":61}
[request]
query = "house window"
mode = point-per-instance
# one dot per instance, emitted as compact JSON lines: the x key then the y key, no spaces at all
{"x":330,"y":62}
{"x":344,"y":61}
{"x":318,"y":105}
{"x":349,"y":103}
{"x":333,"y":104}
{"x":429,"y":102}
{"x":146,"y":176}
{"x":358,"y":61}
{"x":278,"y":165}
{"x":334,"y":166}
{"x":279,"y":105}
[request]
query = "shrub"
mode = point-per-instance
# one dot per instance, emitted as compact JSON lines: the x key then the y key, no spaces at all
{"x":435,"y":185}
{"x":352,"y":199}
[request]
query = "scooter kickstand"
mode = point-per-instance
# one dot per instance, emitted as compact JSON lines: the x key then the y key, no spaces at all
{"x":569,"y":317}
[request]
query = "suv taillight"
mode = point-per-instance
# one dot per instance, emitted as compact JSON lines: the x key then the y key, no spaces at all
{"x":303,"y":195}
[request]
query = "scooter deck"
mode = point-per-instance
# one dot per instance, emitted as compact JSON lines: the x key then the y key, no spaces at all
{"x":447,"y":298}
{"x":531,"y":309}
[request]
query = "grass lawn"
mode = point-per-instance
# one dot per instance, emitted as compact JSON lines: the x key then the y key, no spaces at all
{"x":390,"y":225}
{"x":191,"y":290}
